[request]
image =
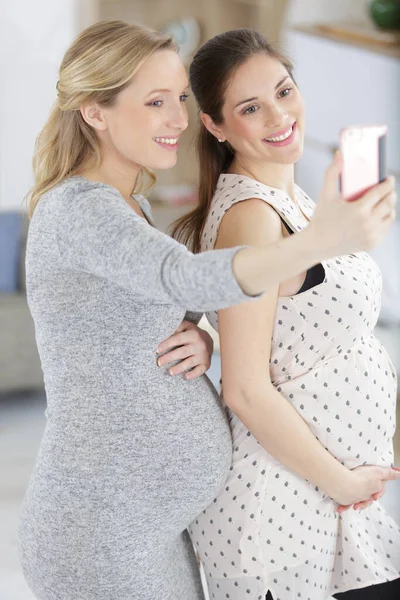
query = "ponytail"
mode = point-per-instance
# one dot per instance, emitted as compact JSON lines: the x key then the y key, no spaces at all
{"x":214,"y":158}
{"x":63,"y":144}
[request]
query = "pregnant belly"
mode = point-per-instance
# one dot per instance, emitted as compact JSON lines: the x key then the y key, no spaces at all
{"x":164,"y":448}
{"x":350,"y":403}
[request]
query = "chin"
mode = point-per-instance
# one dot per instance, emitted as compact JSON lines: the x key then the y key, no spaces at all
{"x":163,"y":165}
{"x":293,"y":155}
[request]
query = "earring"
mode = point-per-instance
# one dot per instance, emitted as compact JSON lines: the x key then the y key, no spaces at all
{"x":220,"y":140}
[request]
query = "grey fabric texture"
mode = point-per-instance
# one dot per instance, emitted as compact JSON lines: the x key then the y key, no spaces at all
{"x":130,"y":455}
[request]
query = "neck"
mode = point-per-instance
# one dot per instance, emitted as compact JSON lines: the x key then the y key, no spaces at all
{"x":272,"y":174}
{"x":115,"y":172}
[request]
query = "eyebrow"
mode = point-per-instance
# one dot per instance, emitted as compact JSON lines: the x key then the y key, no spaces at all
{"x":164,"y":90}
{"x":256,"y":97}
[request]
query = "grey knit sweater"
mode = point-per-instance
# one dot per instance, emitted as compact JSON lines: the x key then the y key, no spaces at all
{"x":130,"y":455}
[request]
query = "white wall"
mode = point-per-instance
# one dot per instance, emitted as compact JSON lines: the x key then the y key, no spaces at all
{"x":34,"y":35}
{"x":322,"y":11}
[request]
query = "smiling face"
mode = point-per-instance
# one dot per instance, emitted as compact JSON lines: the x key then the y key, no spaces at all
{"x":263,"y":113}
{"x":143,"y":126}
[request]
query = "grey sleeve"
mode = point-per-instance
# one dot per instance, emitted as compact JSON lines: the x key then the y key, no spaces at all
{"x":100,"y":234}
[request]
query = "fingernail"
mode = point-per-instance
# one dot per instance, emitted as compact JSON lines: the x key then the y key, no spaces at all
{"x":159,"y":362}
{"x":171,"y":372}
{"x":158,"y":350}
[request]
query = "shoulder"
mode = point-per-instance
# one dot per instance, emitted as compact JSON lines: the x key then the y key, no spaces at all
{"x":239,"y":187}
{"x":242,"y":211}
{"x":142,"y":200}
{"x":145,"y":206}
{"x":80,"y":190}
{"x":79,"y":195}
{"x":251,"y":221}
{"x":233,"y":189}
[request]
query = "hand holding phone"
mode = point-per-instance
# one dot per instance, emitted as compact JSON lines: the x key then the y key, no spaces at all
{"x":364,"y":159}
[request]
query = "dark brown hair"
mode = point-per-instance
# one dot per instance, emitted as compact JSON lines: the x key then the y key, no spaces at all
{"x":210,"y":72}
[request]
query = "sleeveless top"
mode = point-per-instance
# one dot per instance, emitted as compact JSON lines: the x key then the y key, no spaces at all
{"x":270,"y":529}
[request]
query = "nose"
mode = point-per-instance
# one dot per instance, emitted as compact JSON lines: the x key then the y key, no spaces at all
{"x":178,"y":117}
{"x":276,"y":117}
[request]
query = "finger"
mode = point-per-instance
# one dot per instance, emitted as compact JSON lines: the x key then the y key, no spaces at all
{"x":329,"y":188}
{"x":343,"y":507}
{"x":177,"y":339}
{"x":363,"y":505}
{"x":388,"y":220}
{"x":376,"y":194}
{"x":385,"y":206}
{"x":390,"y":474}
{"x":358,"y":505}
{"x":186,"y":325}
{"x":185,"y":365}
{"x":183,"y":326}
{"x":196,"y":372}
{"x":378,"y":494}
{"x":176,"y":354}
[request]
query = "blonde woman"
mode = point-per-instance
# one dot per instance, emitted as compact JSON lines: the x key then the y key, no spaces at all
{"x":130,"y":455}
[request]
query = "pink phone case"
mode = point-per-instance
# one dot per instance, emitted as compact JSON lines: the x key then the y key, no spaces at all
{"x":364,"y":161}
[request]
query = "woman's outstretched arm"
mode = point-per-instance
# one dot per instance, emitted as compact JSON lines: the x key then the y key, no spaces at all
{"x":98,"y":233}
{"x":338,"y":227}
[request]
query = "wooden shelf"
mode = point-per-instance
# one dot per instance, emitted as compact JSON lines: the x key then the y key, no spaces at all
{"x":362,"y":37}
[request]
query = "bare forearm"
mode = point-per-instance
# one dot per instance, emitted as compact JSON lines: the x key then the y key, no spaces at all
{"x":259,"y":268}
{"x":282,"y":432}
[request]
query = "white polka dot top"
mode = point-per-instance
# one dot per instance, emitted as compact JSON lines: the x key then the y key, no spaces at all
{"x":269,"y":529}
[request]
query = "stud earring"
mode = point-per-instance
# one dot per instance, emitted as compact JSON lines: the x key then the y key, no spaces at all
{"x":220,"y":140}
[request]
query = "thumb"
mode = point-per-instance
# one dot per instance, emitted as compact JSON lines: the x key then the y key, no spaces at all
{"x":391,"y":474}
{"x":183,"y":326}
{"x":332,"y":173}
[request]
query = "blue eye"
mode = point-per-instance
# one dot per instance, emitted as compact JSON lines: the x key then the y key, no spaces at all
{"x":183,"y":97}
{"x":250,"y":110}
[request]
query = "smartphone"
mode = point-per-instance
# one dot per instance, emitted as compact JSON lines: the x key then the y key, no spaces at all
{"x":364,"y":159}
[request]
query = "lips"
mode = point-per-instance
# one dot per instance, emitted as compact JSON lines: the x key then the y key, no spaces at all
{"x":172,"y":141}
{"x":170,"y":144}
{"x":283,"y":137}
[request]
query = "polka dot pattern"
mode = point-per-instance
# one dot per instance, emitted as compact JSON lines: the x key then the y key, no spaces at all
{"x":270,"y":529}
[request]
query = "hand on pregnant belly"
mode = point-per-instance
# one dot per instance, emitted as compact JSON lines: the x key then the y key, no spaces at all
{"x":367,"y":484}
{"x":189,"y":345}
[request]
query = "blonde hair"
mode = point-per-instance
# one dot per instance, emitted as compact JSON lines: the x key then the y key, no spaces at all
{"x":99,"y":64}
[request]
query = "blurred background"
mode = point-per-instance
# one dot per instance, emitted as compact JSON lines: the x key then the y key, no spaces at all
{"x":347,"y":64}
